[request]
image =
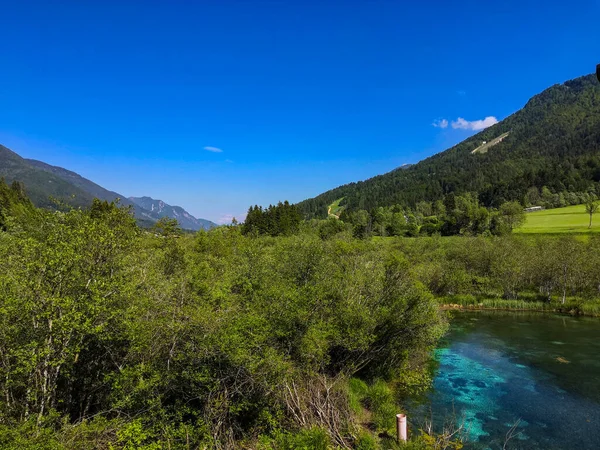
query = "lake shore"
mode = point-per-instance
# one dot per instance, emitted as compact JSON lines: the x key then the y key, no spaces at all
{"x":519,"y":305}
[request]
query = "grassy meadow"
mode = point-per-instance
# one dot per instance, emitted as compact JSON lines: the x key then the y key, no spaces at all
{"x":570,"y":219}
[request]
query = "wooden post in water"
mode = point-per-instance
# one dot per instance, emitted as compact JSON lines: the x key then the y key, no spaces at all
{"x":401,"y":433}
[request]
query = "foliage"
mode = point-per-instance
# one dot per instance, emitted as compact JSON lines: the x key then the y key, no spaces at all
{"x":512,"y":215}
{"x":165,"y":226}
{"x":591,"y":207}
{"x":455,"y":215}
{"x":380,"y":400}
{"x":111,"y":337}
{"x":331,"y":227}
{"x":282,"y":219}
{"x":14,"y":203}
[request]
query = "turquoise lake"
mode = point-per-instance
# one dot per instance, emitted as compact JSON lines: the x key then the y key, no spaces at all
{"x":497,"y":369}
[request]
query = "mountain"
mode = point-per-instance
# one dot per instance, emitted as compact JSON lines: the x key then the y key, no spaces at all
{"x":159,"y":209}
{"x":89,"y":187}
{"x":41,"y":185}
{"x":44,"y":182}
{"x":553,"y":142}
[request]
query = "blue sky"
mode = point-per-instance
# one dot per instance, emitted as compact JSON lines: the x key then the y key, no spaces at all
{"x":299,"y":96}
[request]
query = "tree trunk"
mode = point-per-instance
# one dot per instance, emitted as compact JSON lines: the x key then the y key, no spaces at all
{"x":564,"y":285}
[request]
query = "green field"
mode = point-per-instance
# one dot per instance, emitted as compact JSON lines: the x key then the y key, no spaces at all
{"x":571,"y":219}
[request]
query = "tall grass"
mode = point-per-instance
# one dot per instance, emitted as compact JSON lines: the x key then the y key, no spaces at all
{"x":378,"y":399}
{"x":498,"y":303}
{"x":590,"y":309}
{"x":573,"y":306}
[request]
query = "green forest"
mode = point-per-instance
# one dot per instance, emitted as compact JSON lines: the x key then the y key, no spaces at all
{"x":300,"y":336}
{"x":550,"y":156}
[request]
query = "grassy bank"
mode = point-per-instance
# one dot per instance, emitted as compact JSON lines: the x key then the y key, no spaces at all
{"x":571,"y":306}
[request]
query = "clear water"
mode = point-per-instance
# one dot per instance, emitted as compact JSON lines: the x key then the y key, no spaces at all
{"x":496,"y":369}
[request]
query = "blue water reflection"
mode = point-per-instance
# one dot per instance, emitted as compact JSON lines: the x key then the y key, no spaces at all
{"x":538,"y":373}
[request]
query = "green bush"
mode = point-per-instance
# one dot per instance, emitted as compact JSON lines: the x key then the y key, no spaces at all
{"x":381,"y":403}
{"x":312,"y":439}
{"x":366,"y":441}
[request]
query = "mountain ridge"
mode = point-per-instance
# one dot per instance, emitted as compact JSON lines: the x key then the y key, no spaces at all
{"x":87,"y":185}
{"x":553,"y":142}
{"x":159,"y":209}
{"x":41,"y":186}
{"x":44,"y":181}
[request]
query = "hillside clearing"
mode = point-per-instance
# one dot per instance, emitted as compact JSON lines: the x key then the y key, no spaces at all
{"x":334,"y":210}
{"x":483,"y":148}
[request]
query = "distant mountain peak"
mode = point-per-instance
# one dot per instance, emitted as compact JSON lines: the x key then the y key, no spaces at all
{"x":159,"y":209}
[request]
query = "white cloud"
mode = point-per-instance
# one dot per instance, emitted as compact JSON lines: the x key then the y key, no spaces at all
{"x":213,"y":149}
{"x":440,"y":123}
{"x":475,"y":125}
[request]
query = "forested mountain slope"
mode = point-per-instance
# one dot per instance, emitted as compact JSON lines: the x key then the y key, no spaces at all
{"x":40,"y":185}
{"x":89,"y":187}
{"x":554,"y":141}
{"x":44,"y":182}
